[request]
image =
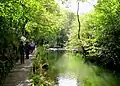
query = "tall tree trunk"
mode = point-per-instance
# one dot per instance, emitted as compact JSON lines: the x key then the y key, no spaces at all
{"x":78,"y":21}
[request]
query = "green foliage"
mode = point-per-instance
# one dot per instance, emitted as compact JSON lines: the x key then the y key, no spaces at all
{"x":100,"y":33}
{"x":106,"y":27}
{"x":34,"y":19}
{"x":31,"y":18}
{"x":41,"y":77}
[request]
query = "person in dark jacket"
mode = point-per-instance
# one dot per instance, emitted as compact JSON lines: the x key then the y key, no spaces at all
{"x":21,"y":49}
{"x":32,"y":46}
{"x":27,"y":49}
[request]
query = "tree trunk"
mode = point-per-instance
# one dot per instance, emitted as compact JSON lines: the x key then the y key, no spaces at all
{"x":78,"y":21}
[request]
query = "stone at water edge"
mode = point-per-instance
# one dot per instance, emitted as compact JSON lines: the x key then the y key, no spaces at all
{"x":45,"y":67}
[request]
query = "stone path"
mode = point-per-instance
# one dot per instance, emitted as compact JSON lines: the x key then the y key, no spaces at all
{"x":19,"y":75}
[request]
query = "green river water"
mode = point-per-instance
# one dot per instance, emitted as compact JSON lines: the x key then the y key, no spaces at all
{"x":70,"y":69}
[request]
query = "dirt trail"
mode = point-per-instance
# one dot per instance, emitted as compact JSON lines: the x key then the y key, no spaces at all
{"x":19,"y":75}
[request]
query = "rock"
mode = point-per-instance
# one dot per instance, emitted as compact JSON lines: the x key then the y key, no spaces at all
{"x":45,"y":67}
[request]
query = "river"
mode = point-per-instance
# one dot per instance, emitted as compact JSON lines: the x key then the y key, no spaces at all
{"x":70,"y":69}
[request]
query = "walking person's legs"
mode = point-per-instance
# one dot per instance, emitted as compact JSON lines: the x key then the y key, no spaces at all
{"x":23,"y":59}
{"x":27,"y":55}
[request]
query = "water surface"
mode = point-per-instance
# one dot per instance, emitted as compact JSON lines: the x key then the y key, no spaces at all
{"x":71,"y":70}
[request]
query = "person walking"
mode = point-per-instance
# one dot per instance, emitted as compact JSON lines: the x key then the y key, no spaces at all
{"x":27,"y":49}
{"x":32,"y":47}
{"x":21,"y":49}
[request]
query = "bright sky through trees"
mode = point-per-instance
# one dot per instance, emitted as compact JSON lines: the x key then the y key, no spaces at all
{"x":71,"y":6}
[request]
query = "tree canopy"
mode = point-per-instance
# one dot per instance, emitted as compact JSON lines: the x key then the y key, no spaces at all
{"x":100,"y":33}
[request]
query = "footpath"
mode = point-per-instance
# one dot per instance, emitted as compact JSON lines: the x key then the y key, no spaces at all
{"x":19,"y":75}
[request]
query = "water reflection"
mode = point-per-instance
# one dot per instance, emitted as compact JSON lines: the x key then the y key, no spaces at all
{"x":67,"y":81}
